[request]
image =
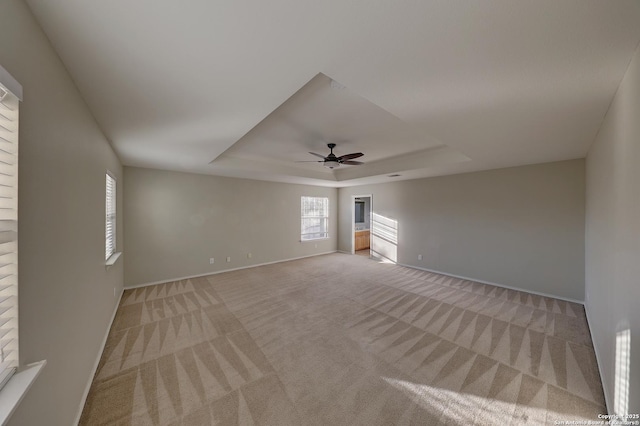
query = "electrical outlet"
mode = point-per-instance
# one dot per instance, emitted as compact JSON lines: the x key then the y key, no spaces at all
{"x":228,"y":258}
{"x":419,"y":257}
{"x":315,"y":246}
{"x":114,"y":292}
{"x":211,"y":260}
{"x":248,"y":255}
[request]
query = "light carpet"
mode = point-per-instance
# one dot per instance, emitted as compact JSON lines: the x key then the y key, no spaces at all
{"x":343,"y":340}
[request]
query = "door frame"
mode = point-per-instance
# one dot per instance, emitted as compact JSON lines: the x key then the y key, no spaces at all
{"x":353,"y":220}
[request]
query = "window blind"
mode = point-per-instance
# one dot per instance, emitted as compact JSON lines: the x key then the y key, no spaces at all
{"x":110,"y":227}
{"x":9,"y":105}
{"x":315,"y":218}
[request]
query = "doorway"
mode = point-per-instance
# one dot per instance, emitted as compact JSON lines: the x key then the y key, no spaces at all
{"x":361,"y":208}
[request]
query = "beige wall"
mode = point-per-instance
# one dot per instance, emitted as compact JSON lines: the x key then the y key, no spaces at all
{"x":175,"y":222}
{"x":613,"y":234}
{"x":66,"y":295}
{"x":520,"y":227}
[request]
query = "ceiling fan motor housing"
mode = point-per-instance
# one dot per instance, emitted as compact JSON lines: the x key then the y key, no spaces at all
{"x":331,"y":161}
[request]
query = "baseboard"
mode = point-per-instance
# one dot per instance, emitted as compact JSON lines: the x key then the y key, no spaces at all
{"x":595,"y":349}
{"x":553,"y":296}
{"x":226,"y":270}
{"x":95,"y":367}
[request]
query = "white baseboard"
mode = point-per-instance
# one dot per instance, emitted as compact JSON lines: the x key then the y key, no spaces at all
{"x":95,"y":366}
{"x":226,"y":270}
{"x":607,"y":401}
{"x":567,"y":299}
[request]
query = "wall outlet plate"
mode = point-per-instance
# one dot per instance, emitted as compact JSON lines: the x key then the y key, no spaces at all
{"x":419,"y":257}
{"x":211,"y":260}
{"x":228,"y":258}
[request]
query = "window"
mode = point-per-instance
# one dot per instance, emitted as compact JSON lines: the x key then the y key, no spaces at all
{"x":9,"y":103}
{"x":623,"y":357}
{"x":110,"y":227}
{"x":315,"y":218}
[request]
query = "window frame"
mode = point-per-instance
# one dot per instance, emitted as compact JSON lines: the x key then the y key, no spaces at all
{"x":10,"y":98}
{"x":16,"y":378}
{"x":309,"y":236}
{"x":111,"y":216}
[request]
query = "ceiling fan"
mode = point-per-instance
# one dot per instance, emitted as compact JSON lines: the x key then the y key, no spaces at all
{"x":331,"y":161}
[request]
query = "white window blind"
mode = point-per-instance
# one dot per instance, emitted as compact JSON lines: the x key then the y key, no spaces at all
{"x":110,"y":227}
{"x":315,"y":218}
{"x":9,"y":105}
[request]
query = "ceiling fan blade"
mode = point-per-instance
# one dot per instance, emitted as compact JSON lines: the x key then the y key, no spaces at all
{"x":353,"y":163}
{"x":317,"y":155}
{"x":312,"y":161}
{"x":350,"y":156}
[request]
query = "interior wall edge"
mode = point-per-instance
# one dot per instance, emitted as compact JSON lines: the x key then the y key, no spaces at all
{"x":97,"y":363}
{"x":134,"y":286}
{"x":612,"y":246}
{"x":538,"y":293}
{"x":607,"y":398}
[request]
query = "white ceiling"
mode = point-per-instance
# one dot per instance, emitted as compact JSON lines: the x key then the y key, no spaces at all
{"x":324,"y":111}
{"x":242,"y":88}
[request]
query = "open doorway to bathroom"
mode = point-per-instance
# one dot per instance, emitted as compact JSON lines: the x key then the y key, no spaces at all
{"x":361,"y":208}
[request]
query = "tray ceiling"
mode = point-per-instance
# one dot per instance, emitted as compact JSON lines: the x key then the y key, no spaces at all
{"x":436,"y":87}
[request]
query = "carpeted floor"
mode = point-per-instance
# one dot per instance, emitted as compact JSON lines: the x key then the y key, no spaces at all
{"x":343,"y":340}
